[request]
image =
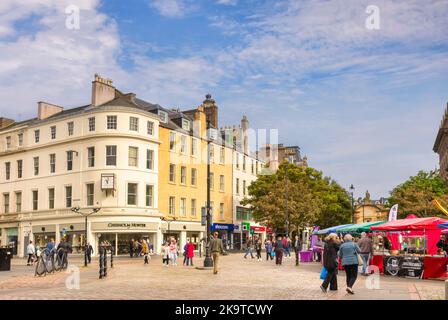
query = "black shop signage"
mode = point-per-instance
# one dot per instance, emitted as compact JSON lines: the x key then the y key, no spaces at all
{"x":400,"y":266}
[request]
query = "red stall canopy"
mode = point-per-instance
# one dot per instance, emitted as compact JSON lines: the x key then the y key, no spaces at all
{"x":430,"y":223}
{"x":428,"y":226}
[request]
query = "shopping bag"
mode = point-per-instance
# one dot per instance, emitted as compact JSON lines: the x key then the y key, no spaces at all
{"x":323,"y":273}
{"x":272,"y":254}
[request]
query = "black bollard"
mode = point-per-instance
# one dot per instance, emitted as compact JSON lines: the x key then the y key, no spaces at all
{"x":111,"y":257}
{"x":101,"y":261}
{"x":105,"y":262}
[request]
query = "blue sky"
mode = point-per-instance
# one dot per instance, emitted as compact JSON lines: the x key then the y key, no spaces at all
{"x":364,"y":105}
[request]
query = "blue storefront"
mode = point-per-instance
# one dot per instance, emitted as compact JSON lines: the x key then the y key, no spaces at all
{"x":225,"y":231}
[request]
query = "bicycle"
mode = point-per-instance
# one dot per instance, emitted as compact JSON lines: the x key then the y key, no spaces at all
{"x":61,"y":260}
{"x":45,"y":263}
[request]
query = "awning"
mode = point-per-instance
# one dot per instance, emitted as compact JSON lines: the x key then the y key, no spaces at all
{"x":332,"y":229}
{"x":443,"y":225}
{"x":429,"y":223}
{"x":362,"y":227}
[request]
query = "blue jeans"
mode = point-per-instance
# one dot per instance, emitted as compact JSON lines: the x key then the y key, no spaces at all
{"x":249,"y":250}
{"x":365,"y":258}
{"x":287,"y":252}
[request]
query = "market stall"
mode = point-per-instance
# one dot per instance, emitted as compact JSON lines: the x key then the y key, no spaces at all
{"x":334,"y":229}
{"x":415,"y":251}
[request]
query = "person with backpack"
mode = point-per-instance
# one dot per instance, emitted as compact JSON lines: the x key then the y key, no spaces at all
{"x":349,"y":252}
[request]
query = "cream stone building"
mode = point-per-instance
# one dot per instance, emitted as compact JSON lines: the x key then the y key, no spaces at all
{"x":101,"y":155}
{"x":245,"y":168}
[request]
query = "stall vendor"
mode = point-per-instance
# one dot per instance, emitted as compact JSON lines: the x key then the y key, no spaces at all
{"x":443,"y":245}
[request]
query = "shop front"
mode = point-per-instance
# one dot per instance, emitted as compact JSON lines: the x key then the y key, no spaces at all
{"x":120,"y":234}
{"x":43,"y":234}
{"x":183,"y":232}
{"x":258,"y":232}
{"x":12,"y":239}
{"x":225,"y":232}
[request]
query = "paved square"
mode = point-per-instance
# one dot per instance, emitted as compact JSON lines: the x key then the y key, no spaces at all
{"x":238,"y":278}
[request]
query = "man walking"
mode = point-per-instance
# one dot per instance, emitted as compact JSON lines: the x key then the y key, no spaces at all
{"x":31,"y":251}
{"x":89,"y":252}
{"x":216,"y":247}
{"x":366,"y":246}
{"x":249,"y":248}
{"x":131,"y":247}
{"x":297,"y":248}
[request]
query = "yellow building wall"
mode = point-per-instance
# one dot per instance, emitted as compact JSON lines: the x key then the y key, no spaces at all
{"x":188,"y":191}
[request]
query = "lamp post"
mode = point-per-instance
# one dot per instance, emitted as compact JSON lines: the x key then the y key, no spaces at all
{"x":85,"y":215}
{"x":352,"y":189}
{"x":286,"y":203}
{"x":208,"y":261}
{"x":169,"y":222}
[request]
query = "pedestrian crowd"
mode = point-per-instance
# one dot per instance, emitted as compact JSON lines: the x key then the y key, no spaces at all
{"x":34,"y":251}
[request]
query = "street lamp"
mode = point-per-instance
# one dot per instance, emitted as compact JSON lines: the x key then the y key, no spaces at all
{"x":286,"y":203}
{"x":352,"y":189}
{"x":169,"y":222}
{"x":85,"y":215}
{"x":208,"y":261}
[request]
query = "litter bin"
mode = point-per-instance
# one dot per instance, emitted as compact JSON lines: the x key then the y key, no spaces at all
{"x":5,"y":259}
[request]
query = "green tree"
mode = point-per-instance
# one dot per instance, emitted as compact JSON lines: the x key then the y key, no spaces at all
{"x":416,"y":194}
{"x":308,"y":197}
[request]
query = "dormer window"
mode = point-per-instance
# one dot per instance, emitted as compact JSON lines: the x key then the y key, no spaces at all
{"x":163,"y":116}
{"x":186,"y":124}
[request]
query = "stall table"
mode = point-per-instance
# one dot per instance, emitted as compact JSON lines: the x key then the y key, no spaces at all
{"x":435,"y":268}
{"x":306,"y":256}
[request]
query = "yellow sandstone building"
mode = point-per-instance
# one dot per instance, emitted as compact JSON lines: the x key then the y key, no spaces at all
{"x":183,"y":172}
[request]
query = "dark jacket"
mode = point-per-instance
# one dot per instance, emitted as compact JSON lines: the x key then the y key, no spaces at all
{"x":297,"y":244}
{"x":331,"y":255}
{"x":442,"y":245}
{"x":278,"y":245}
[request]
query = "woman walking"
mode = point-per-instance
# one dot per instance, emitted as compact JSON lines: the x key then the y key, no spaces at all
{"x":190,"y":253}
{"x":173,"y":252}
{"x":145,"y":252}
{"x":166,"y":254}
{"x":279,"y":248}
{"x":330,"y":262}
{"x":348,"y":252}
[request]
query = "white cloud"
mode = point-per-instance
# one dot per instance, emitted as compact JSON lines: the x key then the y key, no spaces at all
{"x":169,"y":8}
{"x":227,"y":2}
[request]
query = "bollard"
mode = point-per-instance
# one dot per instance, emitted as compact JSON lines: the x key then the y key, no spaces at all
{"x":105,"y":262}
{"x":446,"y":289}
{"x":111,"y":257}
{"x":101,"y":261}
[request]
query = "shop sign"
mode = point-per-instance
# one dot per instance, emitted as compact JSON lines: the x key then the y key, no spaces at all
{"x":258,"y":229}
{"x":236,"y":227}
{"x":245,"y":226}
{"x":126,"y":225}
{"x":403,"y":266}
{"x":222,"y":226}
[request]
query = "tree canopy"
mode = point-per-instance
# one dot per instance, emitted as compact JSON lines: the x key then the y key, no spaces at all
{"x":416,"y":194}
{"x":301,"y":194}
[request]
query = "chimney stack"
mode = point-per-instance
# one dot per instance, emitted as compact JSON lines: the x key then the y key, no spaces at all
{"x":102,"y":91}
{"x":46,"y":110}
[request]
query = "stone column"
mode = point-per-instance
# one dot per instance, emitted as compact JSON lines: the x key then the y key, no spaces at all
{"x":159,"y":240}
{"x":57,"y":234}
{"x":182,"y":241}
{"x":20,"y":241}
